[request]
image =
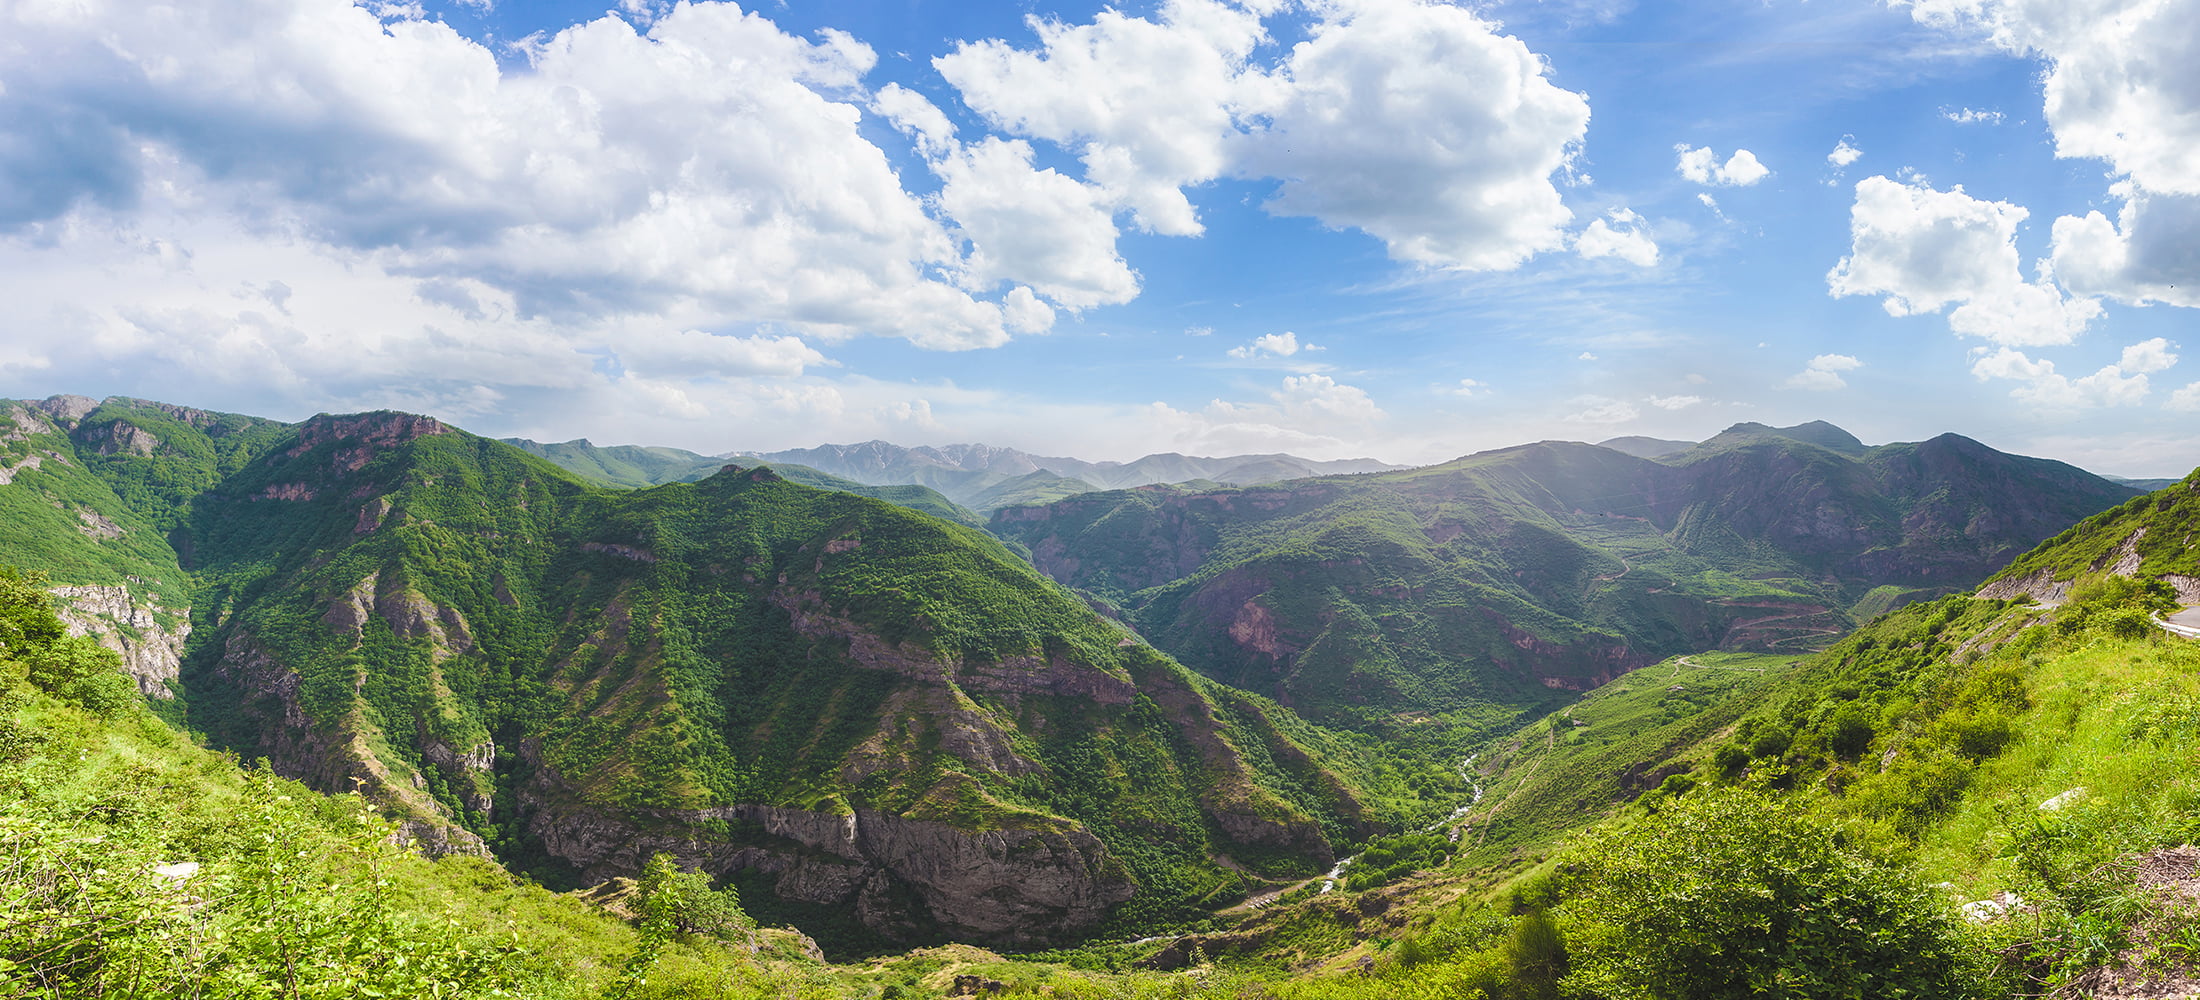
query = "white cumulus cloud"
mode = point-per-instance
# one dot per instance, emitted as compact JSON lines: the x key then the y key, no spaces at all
{"x":1275,"y":345}
{"x":2149,"y":254}
{"x":1674,"y":402}
{"x":2113,"y":385}
{"x":1413,"y":121}
{"x":1623,"y":237}
{"x":2119,"y":87}
{"x":1823,"y":373}
{"x":711,"y":168}
{"x":1925,"y":250}
{"x":1702,"y":166}
{"x":1844,"y":153}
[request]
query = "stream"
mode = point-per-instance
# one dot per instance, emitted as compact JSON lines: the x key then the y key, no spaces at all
{"x":1449,"y":824}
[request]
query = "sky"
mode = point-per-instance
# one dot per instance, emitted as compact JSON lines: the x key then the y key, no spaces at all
{"x":1399,"y":229}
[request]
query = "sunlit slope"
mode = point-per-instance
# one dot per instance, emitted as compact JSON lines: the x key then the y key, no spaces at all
{"x":1489,"y":587}
{"x":868,"y":709}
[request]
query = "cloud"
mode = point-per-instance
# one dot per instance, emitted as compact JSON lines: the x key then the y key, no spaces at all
{"x":1674,"y":402}
{"x":1306,"y":413}
{"x":1586,"y":356}
{"x":2150,"y":254}
{"x":2118,"y":86}
{"x":1926,"y":249}
{"x":1702,"y":166}
{"x":2122,"y":384}
{"x":1024,"y":313}
{"x":1032,"y":226}
{"x":2148,"y":356}
{"x":1844,"y":154}
{"x":712,"y":165}
{"x":1823,"y":373}
{"x":914,"y":412}
{"x":2185,"y":400}
{"x":694,"y":352}
{"x":1601,"y":410}
{"x":1630,"y":244}
{"x":1967,"y":116}
{"x":1274,"y":345}
{"x":1147,"y":104}
{"x":1412,"y":121}
{"x":1467,"y":387}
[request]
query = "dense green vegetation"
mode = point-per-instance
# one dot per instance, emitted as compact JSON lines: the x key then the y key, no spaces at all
{"x":1486,"y":590}
{"x":1957,"y":750}
{"x":2093,"y":543}
{"x":1964,"y":798}
{"x":136,"y":864}
{"x":636,"y":467}
{"x":493,"y":649}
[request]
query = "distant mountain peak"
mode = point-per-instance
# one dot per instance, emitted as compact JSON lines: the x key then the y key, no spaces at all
{"x":1817,"y":432}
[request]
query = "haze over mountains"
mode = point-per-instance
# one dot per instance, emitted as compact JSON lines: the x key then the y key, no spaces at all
{"x":980,"y":477}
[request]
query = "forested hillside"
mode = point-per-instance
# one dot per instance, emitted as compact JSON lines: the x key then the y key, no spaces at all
{"x":887,"y":724}
{"x":1505,"y":582}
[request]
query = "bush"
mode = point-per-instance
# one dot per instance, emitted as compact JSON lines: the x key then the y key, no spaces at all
{"x":1726,"y":896}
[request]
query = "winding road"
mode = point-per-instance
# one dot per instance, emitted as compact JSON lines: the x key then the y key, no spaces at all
{"x":2185,"y":623}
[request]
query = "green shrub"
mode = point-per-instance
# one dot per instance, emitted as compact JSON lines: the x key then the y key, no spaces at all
{"x":1727,"y":895}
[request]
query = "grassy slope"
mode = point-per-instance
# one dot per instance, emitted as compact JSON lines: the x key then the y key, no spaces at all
{"x":2170,"y":516}
{"x":287,"y":875}
{"x":1927,"y":743}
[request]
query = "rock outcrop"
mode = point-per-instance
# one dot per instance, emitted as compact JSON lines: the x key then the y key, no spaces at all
{"x":900,"y":877}
{"x":149,"y":637}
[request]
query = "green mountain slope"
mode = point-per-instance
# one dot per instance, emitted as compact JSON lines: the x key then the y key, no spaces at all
{"x":91,"y":493}
{"x":1968,"y":797}
{"x":2152,"y":537}
{"x":635,"y":467}
{"x":1489,"y":586}
{"x":865,"y":714}
{"x":628,"y":465}
{"x":985,"y":477}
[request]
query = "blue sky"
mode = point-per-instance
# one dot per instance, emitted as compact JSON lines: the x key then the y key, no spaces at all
{"x":1394,"y":228}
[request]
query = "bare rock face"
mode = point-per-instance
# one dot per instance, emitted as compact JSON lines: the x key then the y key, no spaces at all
{"x":67,"y":410}
{"x":896,"y":874}
{"x":151,"y":651}
{"x":2040,"y":586}
{"x":362,"y":436}
{"x":409,"y":615}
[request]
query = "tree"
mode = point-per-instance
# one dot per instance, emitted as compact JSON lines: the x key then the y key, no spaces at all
{"x":1728,"y":895}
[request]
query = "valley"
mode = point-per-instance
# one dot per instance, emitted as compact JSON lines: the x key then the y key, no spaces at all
{"x":1355,"y":732}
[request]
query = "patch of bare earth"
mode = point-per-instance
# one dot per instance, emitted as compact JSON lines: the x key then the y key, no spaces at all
{"x":2160,"y":963}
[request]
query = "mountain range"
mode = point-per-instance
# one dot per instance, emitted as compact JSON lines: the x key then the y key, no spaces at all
{"x":876,"y":719}
{"x":977,"y":476}
{"x":862,"y":713}
{"x":1496,"y":584}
